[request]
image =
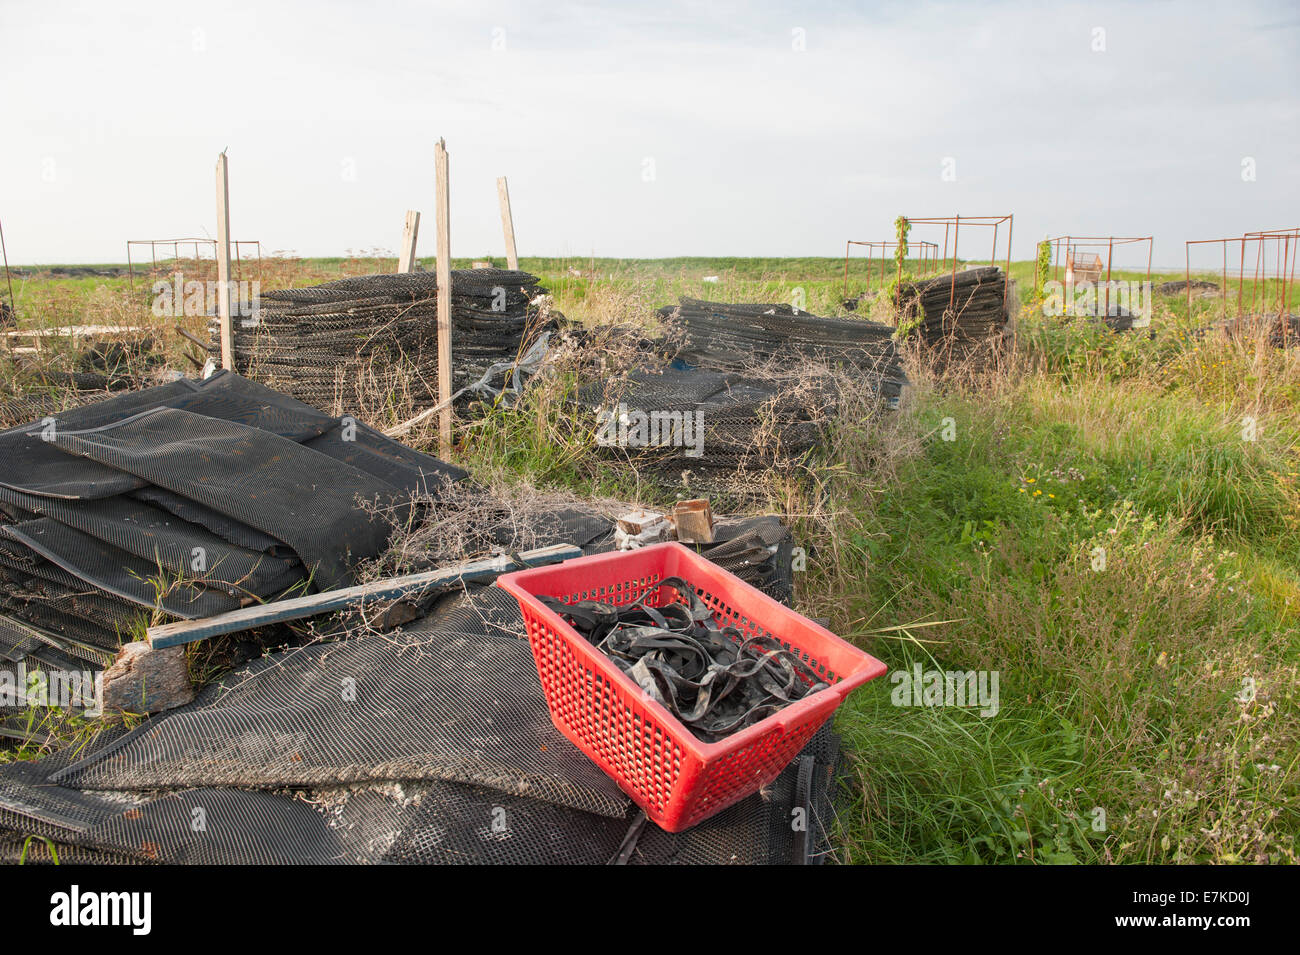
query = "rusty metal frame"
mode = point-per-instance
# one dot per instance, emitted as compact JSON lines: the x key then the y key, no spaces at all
{"x":1107,"y":242}
{"x":1288,"y":251}
{"x":197,"y":244}
{"x":952,"y":227}
{"x":929,"y":253}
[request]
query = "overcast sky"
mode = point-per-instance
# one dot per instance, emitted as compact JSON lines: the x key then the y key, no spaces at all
{"x":644,"y":129}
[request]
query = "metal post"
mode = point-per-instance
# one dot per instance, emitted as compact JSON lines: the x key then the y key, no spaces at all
{"x":1283,"y":313}
{"x":1110,"y":254}
{"x":952,"y":283}
{"x":1150,"y":248}
{"x":1006,"y":281}
{"x":1223,"y":285}
{"x":1241,"y":277}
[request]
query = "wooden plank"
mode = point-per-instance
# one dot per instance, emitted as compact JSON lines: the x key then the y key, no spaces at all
{"x":443,"y":217}
{"x":76,"y":331}
{"x":507,"y":223}
{"x":223,"y":265}
{"x":410,"y":234}
{"x":296,"y":608}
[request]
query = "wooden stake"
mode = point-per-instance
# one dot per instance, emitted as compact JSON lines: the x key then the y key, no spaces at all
{"x":411,"y":232}
{"x":443,"y":217}
{"x":507,"y":223}
{"x":223,"y":265}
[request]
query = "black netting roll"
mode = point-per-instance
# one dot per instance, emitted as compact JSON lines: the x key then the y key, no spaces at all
{"x":961,"y":315}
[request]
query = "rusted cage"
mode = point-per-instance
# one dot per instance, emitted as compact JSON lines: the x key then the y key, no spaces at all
{"x":952,"y":234}
{"x":1083,"y":262}
{"x":927,"y":254}
{"x":1269,"y":255}
{"x":202,"y":264}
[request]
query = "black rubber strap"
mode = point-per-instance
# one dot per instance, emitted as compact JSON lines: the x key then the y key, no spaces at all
{"x":713,"y":678}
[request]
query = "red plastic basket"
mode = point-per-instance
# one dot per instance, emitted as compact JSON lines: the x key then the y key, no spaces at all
{"x":677,"y":779}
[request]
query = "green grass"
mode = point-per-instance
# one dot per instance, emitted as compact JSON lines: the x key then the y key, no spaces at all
{"x":1118,"y":685}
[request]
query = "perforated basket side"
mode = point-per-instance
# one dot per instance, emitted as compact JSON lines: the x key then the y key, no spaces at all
{"x":611,"y":723}
{"x":732,"y":776}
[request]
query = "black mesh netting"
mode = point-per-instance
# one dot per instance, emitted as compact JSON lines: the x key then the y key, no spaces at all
{"x":451,"y":702}
{"x":186,"y":499}
{"x":30,"y":803}
{"x":116,"y":572}
{"x":156,"y":536}
{"x":421,"y":823}
{"x":379,"y":333}
{"x":294,"y":494}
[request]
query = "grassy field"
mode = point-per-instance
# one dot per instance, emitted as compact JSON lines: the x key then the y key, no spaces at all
{"x":1110,"y":523}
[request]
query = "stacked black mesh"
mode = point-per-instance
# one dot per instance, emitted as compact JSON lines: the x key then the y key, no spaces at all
{"x":762,"y":381}
{"x":377,"y":334}
{"x":961,"y":316}
{"x":737,"y":423}
{"x":182,"y":501}
{"x":727,"y":337}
